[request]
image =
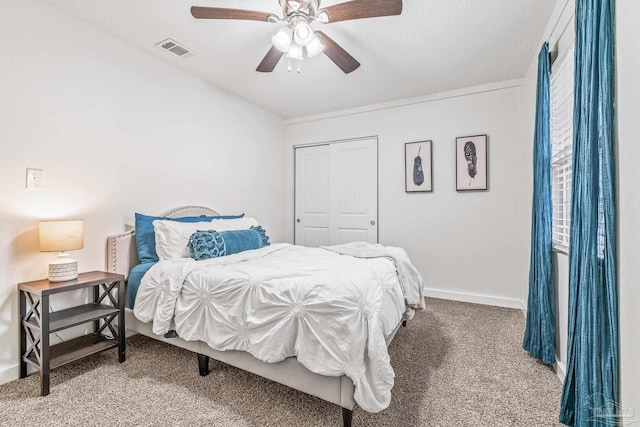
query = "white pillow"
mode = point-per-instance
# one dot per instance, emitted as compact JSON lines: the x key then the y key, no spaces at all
{"x":172,"y":236}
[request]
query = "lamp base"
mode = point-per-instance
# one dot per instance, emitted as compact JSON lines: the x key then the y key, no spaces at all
{"x":63,"y":269}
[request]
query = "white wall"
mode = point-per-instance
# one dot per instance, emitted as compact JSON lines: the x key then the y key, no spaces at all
{"x":466,"y":245}
{"x":628,"y":112}
{"x":116,"y":130}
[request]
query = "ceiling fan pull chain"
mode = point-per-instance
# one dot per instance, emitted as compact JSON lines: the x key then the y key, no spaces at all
{"x":289,"y":65}
{"x":299,"y":59}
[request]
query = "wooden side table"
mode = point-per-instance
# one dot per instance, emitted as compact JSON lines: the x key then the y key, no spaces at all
{"x":36,"y":323}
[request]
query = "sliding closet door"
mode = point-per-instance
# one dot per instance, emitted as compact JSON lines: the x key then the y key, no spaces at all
{"x":312,"y":196}
{"x":337,"y":182}
{"x":353,"y":214}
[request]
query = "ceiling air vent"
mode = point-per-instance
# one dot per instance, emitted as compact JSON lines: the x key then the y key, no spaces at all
{"x":175,"y":48}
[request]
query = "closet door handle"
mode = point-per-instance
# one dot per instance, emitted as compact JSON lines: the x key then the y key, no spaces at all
{"x":372,"y":222}
{"x":298,"y":220}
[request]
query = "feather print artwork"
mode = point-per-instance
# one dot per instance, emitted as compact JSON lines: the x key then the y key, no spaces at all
{"x":418,"y":172}
{"x":471,"y":157}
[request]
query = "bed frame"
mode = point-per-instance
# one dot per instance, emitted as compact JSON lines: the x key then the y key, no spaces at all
{"x":122,"y":256}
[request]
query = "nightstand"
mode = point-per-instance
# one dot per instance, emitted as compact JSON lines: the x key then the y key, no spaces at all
{"x":36,"y":322}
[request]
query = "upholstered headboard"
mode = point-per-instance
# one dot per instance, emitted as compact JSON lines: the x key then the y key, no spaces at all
{"x":122,"y":254}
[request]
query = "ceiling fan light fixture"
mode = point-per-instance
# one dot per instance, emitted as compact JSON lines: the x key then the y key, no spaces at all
{"x":315,"y":48}
{"x":282,"y":39}
{"x":303,"y":34}
{"x":297,"y":35}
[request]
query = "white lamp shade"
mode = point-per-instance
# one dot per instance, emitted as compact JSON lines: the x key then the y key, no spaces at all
{"x":295,"y":52}
{"x":315,"y":48}
{"x":303,"y":34}
{"x":282,"y":39}
{"x":323,"y":17}
{"x":58,"y":236}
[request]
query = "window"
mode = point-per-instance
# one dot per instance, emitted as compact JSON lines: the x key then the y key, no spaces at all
{"x":562,"y":77}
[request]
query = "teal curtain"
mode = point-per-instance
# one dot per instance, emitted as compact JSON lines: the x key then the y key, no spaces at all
{"x":590,"y":394}
{"x":540,"y":332}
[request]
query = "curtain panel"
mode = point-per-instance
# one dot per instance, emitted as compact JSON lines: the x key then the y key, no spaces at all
{"x":540,"y":332}
{"x":590,"y":393}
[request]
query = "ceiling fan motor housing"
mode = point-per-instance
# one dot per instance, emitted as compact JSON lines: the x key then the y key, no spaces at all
{"x":306,"y":7}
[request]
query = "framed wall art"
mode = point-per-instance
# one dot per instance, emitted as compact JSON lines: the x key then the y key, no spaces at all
{"x":418,"y":177}
{"x":472,"y":163}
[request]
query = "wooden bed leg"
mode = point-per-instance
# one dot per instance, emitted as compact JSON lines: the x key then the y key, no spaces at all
{"x":203,"y":364}
{"x":404,"y":323}
{"x":347,"y":416}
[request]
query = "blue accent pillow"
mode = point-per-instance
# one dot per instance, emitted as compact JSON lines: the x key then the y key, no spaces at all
{"x":213,"y":244}
{"x":134,"y":279}
{"x":146,"y":237}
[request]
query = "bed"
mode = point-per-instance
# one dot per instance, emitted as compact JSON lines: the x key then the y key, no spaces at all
{"x":166,"y":308}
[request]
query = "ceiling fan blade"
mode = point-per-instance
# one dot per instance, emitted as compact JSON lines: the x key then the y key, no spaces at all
{"x":360,"y":9}
{"x":337,"y":54}
{"x":270,"y":60}
{"x":201,"y":12}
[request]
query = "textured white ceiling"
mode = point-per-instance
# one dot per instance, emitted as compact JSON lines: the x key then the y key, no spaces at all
{"x":435,"y":45}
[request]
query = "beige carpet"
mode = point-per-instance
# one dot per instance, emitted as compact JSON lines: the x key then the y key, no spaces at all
{"x":456,"y":364}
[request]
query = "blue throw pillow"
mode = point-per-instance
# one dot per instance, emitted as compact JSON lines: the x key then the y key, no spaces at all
{"x":146,"y":237}
{"x":213,"y":244}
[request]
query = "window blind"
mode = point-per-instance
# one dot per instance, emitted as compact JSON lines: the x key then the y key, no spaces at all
{"x":562,"y":77}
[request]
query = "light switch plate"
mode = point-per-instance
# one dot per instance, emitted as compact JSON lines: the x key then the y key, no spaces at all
{"x":34,"y":178}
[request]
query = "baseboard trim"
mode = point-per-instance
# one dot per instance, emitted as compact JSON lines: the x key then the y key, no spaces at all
{"x":8,"y":373}
{"x":561,"y":370}
{"x":475,"y":298}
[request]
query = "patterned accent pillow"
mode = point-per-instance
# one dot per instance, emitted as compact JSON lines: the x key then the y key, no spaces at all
{"x":213,"y":244}
{"x":206,"y":244}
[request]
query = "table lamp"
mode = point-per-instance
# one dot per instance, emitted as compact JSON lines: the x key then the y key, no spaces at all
{"x":61,"y":236}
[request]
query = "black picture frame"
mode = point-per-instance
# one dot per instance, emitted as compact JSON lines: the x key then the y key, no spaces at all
{"x":418,"y":167}
{"x":472,"y":163}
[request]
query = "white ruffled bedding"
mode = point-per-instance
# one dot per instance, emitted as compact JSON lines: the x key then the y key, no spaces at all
{"x":333,"y":312}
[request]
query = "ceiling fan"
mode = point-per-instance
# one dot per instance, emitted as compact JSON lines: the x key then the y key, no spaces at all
{"x":297,"y":36}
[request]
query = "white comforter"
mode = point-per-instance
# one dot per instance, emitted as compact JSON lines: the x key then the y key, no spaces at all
{"x":333,"y":312}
